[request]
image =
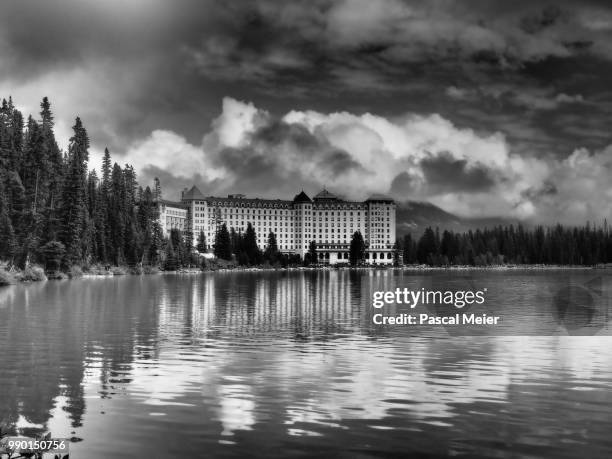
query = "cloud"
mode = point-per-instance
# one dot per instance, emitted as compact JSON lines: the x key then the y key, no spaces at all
{"x":128,"y":70}
{"x":531,"y":98}
{"x":582,"y":189}
{"x":268,"y":43}
{"x":444,"y":173}
{"x":542,"y":102}
{"x":38,"y":36}
{"x":169,"y":151}
{"x":412,"y":157}
{"x":472,"y":105}
{"x":403,"y":184}
{"x":547,"y":17}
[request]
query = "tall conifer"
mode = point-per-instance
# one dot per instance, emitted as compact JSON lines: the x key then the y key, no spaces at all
{"x":73,"y":209}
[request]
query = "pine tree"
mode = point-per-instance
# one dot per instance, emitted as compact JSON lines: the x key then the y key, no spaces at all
{"x":106,"y":171}
{"x":180,"y":249}
{"x":33,"y":163}
{"x":11,"y":136}
{"x":17,"y":212}
{"x":271,"y":254}
{"x":223,"y":248}
{"x":396,"y":253}
{"x":357,"y":249}
{"x":171,"y":262}
{"x":201,"y":245}
{"x":156,"y":240}
{"x":7,"y":233}
{"x":33,"y":174}
{"x":312,"y":253}
{"x":409,"y":250}
{"x":129,"y":176}
{"x":250,"y":247}
{"x":235,"y":240}
{"x":102,"y":216}
{"x":426,"y":247}
{"x":73,"y":210}
{"x":117,"y":216}
{"x":53,"y":252}
{"x":54,"y":174}
{"x":188,"y":238}
{"x":133,"y":252}
{"x":93,"y":203}
{"x":145,"y":216}
{"x":133,"y":237}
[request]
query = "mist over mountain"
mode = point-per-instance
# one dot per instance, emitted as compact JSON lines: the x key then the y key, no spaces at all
{"x":414,"y":216}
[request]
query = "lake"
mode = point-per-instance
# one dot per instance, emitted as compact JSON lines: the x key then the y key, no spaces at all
{"x":289,"y":364}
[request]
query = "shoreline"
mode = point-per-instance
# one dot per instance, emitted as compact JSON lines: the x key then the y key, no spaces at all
{"x":415,"y":269}
{"x":36,"y":274}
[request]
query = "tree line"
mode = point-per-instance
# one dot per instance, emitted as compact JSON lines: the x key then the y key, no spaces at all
{"x":243,"y":249}
{"x":512,"y":244}
{"x":56,"y":212}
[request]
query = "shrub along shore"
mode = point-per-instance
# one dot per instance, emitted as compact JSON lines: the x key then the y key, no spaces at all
{"x":36,"y":273}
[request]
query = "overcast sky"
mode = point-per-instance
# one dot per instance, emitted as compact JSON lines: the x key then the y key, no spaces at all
{"x":482,"y":107}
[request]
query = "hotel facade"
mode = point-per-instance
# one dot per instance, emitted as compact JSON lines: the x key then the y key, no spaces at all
{"x":325,"y":219}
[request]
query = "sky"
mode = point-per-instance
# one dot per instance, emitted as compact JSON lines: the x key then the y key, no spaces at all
{"x":484,"y":108}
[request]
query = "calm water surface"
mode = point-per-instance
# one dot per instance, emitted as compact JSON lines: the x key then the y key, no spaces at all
{"x":289,"y":365}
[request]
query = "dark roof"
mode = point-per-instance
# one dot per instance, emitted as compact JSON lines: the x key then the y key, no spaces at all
{"x":380,"y":197}
{"x":239,"y":201}
{"x":173,"y":203}
{"x":192,"y":194}
{"x":325,"y":195}
{"x":301,"y":197}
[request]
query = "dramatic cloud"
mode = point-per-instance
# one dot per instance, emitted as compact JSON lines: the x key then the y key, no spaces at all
{"x":128,"y":69}
{"x":446,"y":173}
{"x":253,"y":42}
{"x":169,"y":151}
{"x":411,"y":157}
{"x":477,"y":106}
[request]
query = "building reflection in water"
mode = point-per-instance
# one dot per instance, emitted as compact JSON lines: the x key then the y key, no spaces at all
{"x":288,"y":353}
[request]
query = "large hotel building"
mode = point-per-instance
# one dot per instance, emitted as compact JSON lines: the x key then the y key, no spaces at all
{"x":325,"y":219}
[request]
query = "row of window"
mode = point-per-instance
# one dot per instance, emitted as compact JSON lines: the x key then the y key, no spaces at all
{"x":249,"y":204}
{"x":177,"y":213}
{"x":345,"y":255}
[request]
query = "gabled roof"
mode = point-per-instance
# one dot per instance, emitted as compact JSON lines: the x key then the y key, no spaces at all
{"x":173,"y":204}
{"x":301,"y":197}
{"x":192,"y":194}
{"x":325,"y":195}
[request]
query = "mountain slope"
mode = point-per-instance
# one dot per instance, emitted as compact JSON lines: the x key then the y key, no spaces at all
{"x":414,"y":216}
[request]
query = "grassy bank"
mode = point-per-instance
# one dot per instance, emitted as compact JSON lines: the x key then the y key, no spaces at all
{"x":35,"y":273}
